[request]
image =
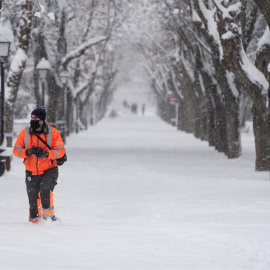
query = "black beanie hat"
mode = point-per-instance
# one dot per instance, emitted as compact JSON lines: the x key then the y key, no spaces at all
{"x":40,"y":113}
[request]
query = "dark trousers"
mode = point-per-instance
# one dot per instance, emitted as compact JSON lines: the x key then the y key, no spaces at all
{"x":42,"y":185}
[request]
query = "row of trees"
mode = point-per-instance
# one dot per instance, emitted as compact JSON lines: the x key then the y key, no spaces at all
{"x":213,"y":56}
{"x":77,"y":37}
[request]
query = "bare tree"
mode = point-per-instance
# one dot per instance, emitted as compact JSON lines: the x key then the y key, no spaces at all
{"x":22,"y":22}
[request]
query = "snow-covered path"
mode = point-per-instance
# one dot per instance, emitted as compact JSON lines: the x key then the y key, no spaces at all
{"x":137,"y":194}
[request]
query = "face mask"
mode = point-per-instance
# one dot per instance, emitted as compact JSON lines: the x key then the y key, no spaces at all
{"x":34,"y":124}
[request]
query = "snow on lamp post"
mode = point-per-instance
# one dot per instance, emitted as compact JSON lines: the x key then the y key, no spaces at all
{"x":6,"y":37}
{"x":43,"y":67}
{"x":64,"y":79}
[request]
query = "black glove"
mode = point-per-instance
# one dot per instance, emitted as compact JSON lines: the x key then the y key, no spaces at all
{"x":33,"y":151}
{"x":42,"y":154}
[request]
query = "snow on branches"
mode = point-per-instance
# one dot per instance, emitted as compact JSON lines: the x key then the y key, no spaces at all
{"x":209,"y":20}
{"x":81,"y":49}
{"x":265,"y":40}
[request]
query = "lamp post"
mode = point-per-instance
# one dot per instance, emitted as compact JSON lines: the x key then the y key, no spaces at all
{"x":64,"y":79}
{"x":4,"y":52}
{"x":6,"y":37}
{"x":43,"y":66}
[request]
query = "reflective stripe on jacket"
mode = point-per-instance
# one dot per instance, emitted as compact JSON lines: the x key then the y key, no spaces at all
{"x":36,"y":165}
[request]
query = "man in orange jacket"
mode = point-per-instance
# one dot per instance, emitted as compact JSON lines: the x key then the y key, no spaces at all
{"x":40,"y":163}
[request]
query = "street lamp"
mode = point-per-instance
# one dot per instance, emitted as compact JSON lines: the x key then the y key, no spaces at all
{"x":6,"y":37}
{"x":43,"y":66}
{"x":5,"y":40}
{"x":64,"y":79}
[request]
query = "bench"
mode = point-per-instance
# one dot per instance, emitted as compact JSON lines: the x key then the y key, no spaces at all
{"x":5,"y":160}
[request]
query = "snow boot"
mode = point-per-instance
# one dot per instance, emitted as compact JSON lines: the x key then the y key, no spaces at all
{"x":52,"y":217}
{"x":34,"y":220}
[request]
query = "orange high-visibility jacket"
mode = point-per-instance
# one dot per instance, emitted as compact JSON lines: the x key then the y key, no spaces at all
{"x":27,"y":139}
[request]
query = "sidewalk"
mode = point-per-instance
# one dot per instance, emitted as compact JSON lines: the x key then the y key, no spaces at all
{"x":138,"y":194}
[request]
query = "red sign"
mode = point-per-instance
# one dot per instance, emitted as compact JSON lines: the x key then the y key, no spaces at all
{"x":171,"y":96}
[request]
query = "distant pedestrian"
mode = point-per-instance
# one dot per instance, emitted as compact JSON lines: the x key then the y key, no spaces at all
{"x":125,"y":104}
{"x":143,"y":109}
{"x":40,"y":163}
{"x":134,"y":108}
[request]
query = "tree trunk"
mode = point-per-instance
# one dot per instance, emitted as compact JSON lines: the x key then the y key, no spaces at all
{"x":38,"y":53}
{"x":232,"y":128}
{"x":213,"y":111}
{"x":14,"y":76}
{"x":211,"y":124}
{"x":230,"y":114}
{"x":55,"y":103}
{"x":232,"y":50}
{"x":262,"y":136}
{"x":227,"y":131}
{"x":264,"y":6}
{"x":199,"y":100}
{"x":221,"y":132}
{"x":181,"y":117}
{"x":189,"y":101}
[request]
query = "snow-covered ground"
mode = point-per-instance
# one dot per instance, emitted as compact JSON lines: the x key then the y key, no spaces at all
{"x":137,"y":194}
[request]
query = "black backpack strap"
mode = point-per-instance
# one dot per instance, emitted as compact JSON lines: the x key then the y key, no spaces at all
{"x":43,"y":141}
